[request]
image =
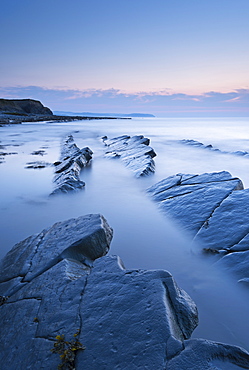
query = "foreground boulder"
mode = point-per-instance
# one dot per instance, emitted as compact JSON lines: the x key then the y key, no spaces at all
{"x":67,"y":169}
{"x":61,"y":304}
{"x":134,"y":151}
{"x":210,"y":209}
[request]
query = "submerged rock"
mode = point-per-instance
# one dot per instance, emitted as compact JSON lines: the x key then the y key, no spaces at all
{"x":67,"y":169}
{"x":39,"y":152}
{"x":210,"y":209}
{"x":37,"y":165}
{"x":3,"y":154}
{"x":134,"y":151}
{"x":196,"y":143}
{"x":59,"y":285}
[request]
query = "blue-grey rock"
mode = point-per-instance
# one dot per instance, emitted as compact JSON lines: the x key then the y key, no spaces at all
{"x":216,"y":215}
{"x":210,"y":147}
{"x":134,"y":152}
{"x":60,"y":283}
{"x":229,"y":225}
{"x":201,"y":354}
{"x":83,"y":239}
{"x":37,"y":165}
{"x":67,"y":169}
{"x":192,"y":199}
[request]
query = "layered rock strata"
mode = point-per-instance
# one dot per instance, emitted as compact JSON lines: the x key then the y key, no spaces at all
{"x":54,"y":287}
{"x":24,"y":106}
{"x":213,"y":208}
{"x":134,"y":152}
{"x":67,"y":169}
{"x":198,"y":144}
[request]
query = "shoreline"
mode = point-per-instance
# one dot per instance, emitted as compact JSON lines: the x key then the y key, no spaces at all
{"x":9,"y":119}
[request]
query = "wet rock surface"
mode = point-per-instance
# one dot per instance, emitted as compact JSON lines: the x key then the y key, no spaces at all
{"x":213,"y":207}
{"x":37,"y":165}
{"x":60,"y":283}
{"x":3,"y":154}
{"x":134,"y":152}
{"x":198,"y":144}
{"x":67,"y":169}
{"x":41,"y":152}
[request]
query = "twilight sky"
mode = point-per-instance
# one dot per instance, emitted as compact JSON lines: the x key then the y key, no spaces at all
{"x":153,"y":56}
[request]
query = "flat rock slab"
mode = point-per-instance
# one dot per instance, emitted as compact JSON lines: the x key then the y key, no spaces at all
{"x":191,"y":199}
{"x":67,"y":169}
{"x":134,"y":152}
{"x":55,"y":284}
{"x":216,"y":215}
{"x":83,"y":239}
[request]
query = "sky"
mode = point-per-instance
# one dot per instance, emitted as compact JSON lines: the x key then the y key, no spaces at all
{"x":165,"y":57}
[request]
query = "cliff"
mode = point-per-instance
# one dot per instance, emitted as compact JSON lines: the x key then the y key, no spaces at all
{"x":23,"y":107}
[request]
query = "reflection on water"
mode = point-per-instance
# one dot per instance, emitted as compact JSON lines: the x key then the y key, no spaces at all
{"x":143,"y":237}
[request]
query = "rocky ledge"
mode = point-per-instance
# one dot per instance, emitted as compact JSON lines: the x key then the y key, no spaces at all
{"x":198,"y":144}
{"x":134,"y":151}
{"x":7,"y":119}
{"x":65,"y":304}
{"x":213,"y":208}
{"x":67,"y":169}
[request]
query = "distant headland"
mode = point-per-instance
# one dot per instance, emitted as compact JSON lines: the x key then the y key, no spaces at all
{"x":14,"y":111}
{"x":116,"y":115}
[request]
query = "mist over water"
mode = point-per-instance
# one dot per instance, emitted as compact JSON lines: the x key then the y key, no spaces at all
{"x":143,"y":237}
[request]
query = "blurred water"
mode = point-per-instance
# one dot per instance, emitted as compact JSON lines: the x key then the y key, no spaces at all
{"x":143,"y":237}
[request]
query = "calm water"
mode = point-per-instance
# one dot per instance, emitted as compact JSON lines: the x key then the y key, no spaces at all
{"x":143,"y":237}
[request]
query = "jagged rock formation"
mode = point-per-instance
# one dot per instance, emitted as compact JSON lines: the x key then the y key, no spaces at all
{"x":23,"y":106}
{"x":55,"y":283}
{"x":198,"y":144}
{"x":67,"y":169}
{"x":213,"y":212}
{"x":134,"y":151}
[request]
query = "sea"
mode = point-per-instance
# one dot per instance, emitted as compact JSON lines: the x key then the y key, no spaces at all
{"x":144,"y":238}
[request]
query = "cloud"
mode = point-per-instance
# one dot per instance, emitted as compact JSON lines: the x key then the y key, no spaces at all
{"x":161,"y":103}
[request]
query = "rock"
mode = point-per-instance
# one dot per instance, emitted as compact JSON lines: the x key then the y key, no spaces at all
{"x":23,"y":106}
{"x":195,"y":143}
{"x":200,"y":354}
{"x":37,"y":165}
{"x":228,"y":228}
{"x":228,"y":233}
{"x":191,"y":199}
{"x":3,"y":154}
{"x":134,"y":151}
{"x":210,"y":209}
{"x":39,"y":152}
{"x":67,"y":170}
{"x":210,"y":147}
{"x":58,"y":285}
{"x":83,"y":239}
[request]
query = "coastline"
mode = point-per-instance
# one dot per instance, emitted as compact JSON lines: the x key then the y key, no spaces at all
{"x":8,"y":119}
